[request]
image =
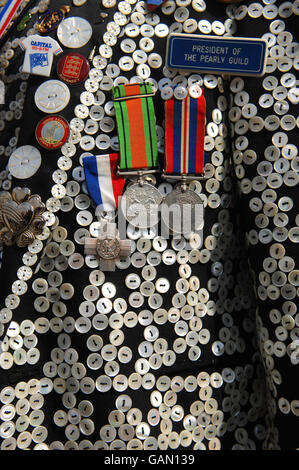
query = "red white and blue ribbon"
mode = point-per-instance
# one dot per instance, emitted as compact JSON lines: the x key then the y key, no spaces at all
{"x":152,"y":4}
{"x":184,"y":135}
{"x":7,"y":13}
{"x":104,"y":186}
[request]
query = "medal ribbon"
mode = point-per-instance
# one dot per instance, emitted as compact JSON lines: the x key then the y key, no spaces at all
{"x":7,"y":13}
{"x":103,"y":184}
{"x":136,"y":124}
{"x":184,"y":135}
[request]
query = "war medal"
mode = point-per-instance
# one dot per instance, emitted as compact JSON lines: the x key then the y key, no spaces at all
{"x":138,"y":152}
{"x":108,"y":247}
{"x":182,"y":209}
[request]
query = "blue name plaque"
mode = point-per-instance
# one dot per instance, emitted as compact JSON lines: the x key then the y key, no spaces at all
{"x":210,"y":54}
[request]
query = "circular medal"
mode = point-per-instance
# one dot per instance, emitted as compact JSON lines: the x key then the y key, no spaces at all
{"x":52,"y":132}
{"x":182,"y":211}
{"x":108,"y":248}
{"x":24,"y":162}
{"x":73,"y":68}
{"x":74,"y":32}
{"x":140,"y":205}
{"x":52,"y":96}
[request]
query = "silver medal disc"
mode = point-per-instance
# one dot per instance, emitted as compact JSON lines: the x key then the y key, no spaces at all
{"x":140,"y":205}
{"x":182,"y":211}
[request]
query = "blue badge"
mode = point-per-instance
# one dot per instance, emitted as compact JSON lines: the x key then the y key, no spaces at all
{"x":210,"y":54}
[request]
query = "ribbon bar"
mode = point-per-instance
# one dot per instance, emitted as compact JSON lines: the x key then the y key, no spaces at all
{"x":131,"y":97}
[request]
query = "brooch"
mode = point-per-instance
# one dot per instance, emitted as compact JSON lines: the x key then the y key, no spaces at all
{"x":51,"y":19}
{"x":21,"y":217}
{"x":23,"y":23}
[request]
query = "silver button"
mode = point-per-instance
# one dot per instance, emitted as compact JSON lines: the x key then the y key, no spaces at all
{"x":132,"y":30}
{"x":161,"y":30}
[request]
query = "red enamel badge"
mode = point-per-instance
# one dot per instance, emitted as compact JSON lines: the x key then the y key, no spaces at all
{"x":73,"y":68}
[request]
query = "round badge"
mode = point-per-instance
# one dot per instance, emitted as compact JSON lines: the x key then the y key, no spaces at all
{"x":24,"y":162}
{"x":74,"y":32}
{"x":73,"y":68}
{"x":52,"y":96}
{"x":52,"y":132}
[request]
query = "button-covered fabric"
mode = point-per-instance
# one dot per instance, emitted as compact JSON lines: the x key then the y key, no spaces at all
{"x":192,"y":342}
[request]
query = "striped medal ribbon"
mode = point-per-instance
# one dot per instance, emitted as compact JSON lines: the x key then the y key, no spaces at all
{"x":7,"y":13}
{"x":136,"y":126}
{"x":184,"y":135}
{"x":184,"y":161}
{"x":104,"y":186}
